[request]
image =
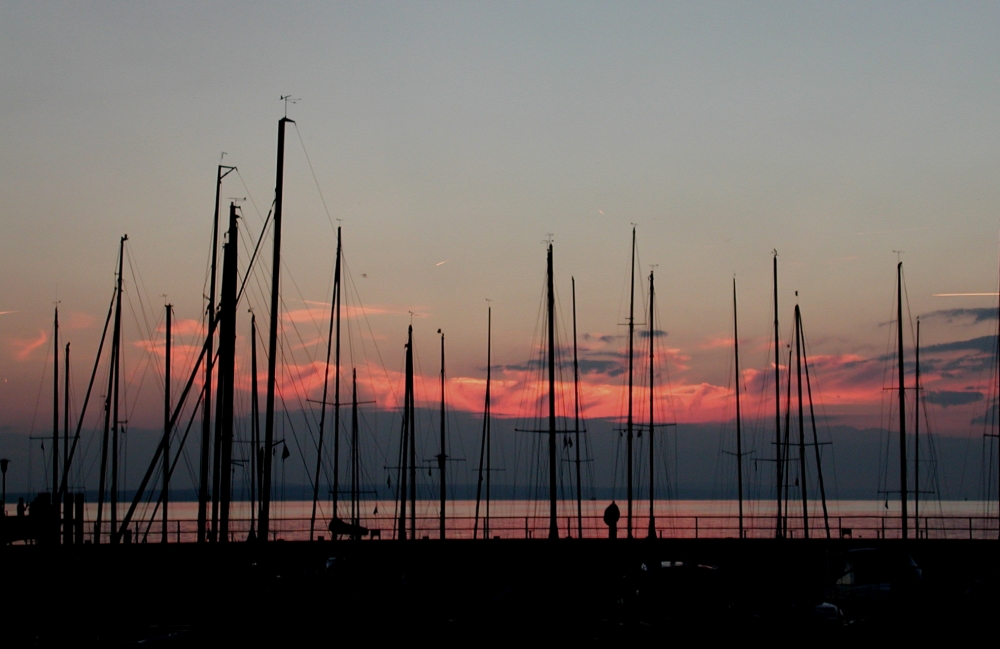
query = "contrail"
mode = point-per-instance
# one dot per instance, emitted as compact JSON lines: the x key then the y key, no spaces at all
{"x":966,"y":294}
{"x":440,"y":263}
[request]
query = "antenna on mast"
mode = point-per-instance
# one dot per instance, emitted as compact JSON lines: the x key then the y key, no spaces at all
{"x":289,"y":100}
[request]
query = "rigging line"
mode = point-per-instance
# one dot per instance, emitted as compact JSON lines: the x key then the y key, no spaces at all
{"x":253,"y":257}
{"x":313,"y":172}
{"x":249,"y":195}
{"x":140,"y":283}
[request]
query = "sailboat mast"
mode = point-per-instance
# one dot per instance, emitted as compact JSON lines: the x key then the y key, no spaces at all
{"x":916,"y":439}
{"x":902,"y":401}
{"x":576,"y":421}
{"x":115,"y":423}
{"x":777,"y":406}
{"x":255,"y":450}
{"x":227,"y":374}
{"x":206,"y":412}
{"x":65,"y":462}
{"x":812,"y":419}
{"x":802,"y":431}
{"x":412,"y":436}
{"x":112,"y":364}
{"x":652,"y":402}
{"x":489,"y":466}
{"x":355,"y":495}
{"x":272,"y":342}
{"x":334,"y":322}
{"x":485,"y":439}
{"x":404,"y":435}
{"x":631,"y":343}
{"x":553,"y":527}
{"x":739,"y":424}
{"x":55,"y":408}
{"x":441,"y":458}
{"x":166,"y":421}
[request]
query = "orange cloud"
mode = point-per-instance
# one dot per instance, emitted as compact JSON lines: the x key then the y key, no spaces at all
{"x":24,"y":347}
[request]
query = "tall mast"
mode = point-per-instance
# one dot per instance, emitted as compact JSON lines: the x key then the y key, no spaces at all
{"x":334,"y":323}
{"x":777,"y":406}
{"x":412,"y":436}
{"x":112,"y":365}
{"x":206,"y":412}
{"x":227,"y":373}
{"x":65,"y":462}
{"x":484,"y":445}
{"x":166,"y":423}
{"x":272,"y":342}
{"x":255,"y":452}
{"x":576,"y":421}
{"x":739,"y":429}
{"x":489,"y":466}
{"x":404,"y":434}
{"x":115,"y":423}
{"x":812,"y":418}
{"x":631,"y":342}
{"x":553,"y":526}
{"x":902,"y":401}
{"x":441,"y":458}
{"x":355,"y":462}
{"x":916,"y":440}
{"x":55,"y":407}
{"x":652,"y":400}
{"x":802,"y":432}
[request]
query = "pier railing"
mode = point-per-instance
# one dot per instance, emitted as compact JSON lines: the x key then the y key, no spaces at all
{"x":537,"y":527}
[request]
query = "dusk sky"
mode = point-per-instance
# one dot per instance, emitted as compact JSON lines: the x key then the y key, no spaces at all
{"x":451,"y":139}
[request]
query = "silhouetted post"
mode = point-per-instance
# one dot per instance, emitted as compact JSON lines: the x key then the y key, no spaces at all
{"x":111,"y":413}
{"x":441,"y":458}
{"x":55,"y":410}
{"x":739,"y":429}
{"x":576,"y":420}
{"x":916,"y":437}
{"x":272,"y":343}
{"x":902,"y":401}
{"x":484,"y":444}
{"x":255,"y":453}
{"x":628,"y":426}
{"x":227,"y":371}
{"x":651,"y":533}
{"x":777,"y":407}
{"x":553,"y":525}
{"x":166,"y":421}
{"x":206,"y":412}
{"x":802,"y":428}
{"x":67,"y":516}
{"x":334,"y":323}
{"x":4,"y":463}
{"x":78,"y":518}
{"x":65,"y":445}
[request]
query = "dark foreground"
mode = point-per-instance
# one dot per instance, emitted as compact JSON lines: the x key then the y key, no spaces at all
{"x":590,"y":592}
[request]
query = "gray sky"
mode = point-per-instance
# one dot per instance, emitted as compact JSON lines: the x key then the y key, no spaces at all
{"x":465,"y":132}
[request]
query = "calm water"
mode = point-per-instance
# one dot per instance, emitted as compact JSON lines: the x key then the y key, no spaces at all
{"x":290,"y":520}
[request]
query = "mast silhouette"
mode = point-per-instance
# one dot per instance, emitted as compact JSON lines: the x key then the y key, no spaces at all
{"x":802,"y":431}
{"x":65,"y":447}
{"x":902,"y":402}
{"x":652,"y":401}
{"x":777,"y":406}
{"x":256,"y":456}
{"x":206,"y":412}
{"x":628,"y":425}
{"x":916,"y":438}
{"x":272,"y":342}
{"x":812,"y":418}
{"x":166,"y":422}
{"x":412,"y":436}
{"x":55,"y":408}
{"x":739,"y":429}
{"x":334,"y":325}
{"x":551,"y":300}
{"x":112,"y":404}
{"x":355,"y":461}
{"x":576,"y":421}
{"x":227,"y":375}
{"x":442,"y":458}
{"x":484,"y":448}
{"x":405,"y":434}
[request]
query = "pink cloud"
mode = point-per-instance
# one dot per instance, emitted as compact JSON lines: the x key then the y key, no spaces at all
{"x":23,"y":348}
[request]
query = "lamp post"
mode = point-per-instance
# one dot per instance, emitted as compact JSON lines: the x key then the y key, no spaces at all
{"x":3,"y":470}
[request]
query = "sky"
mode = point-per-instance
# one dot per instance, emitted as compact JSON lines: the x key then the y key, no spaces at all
{"x":451,"y":140}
